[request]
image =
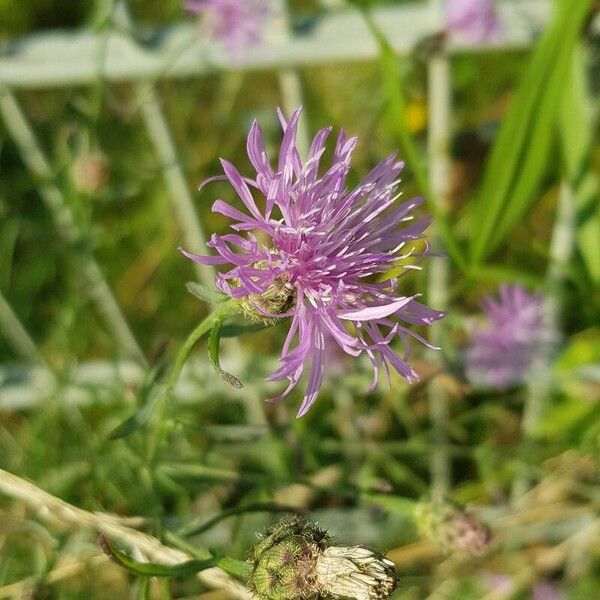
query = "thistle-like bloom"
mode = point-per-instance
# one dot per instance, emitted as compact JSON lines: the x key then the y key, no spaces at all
{"x":473,"y":21}
{"x":297,"y":560}
{"x":451,"y":527}
{"x":322,"y":257}
{"x":543,"y":590}
{"x":237,"y":23}
{"x":503,"y":350}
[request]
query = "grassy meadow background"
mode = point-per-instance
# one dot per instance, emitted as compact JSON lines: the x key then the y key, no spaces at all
{"x":356,"y":462}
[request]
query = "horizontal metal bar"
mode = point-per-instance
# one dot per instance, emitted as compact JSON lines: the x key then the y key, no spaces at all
{"x":59,"y":59}
{"x":24,"y":386}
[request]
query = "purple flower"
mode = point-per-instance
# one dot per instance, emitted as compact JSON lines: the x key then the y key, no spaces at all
{"x":474,"y":21}
{"x":543,"y":590}
{"x":321,"y":256}
{"x":238,"y":23}
{"x":502,"y":350}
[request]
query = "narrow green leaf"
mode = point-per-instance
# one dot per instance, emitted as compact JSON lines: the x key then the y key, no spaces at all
{"x":395,"y":504}
{"x":502,"y":273}
{"x":155,"y":396}
{"x":185,"y":569}
{"x":196,"y":529}
{"x":577,"y":148}
{"x":127,"y":427}
{"x":204,"y":293}
{"x":213,"y":355}
{"x":145,"y":402}
{"x":523,"y":148}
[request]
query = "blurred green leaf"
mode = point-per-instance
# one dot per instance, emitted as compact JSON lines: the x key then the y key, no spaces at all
{"x":204,"y":293}
{"x":577,"y":147}
{"x":9,"y":232}
{"x":522,"y":151}
{"x":185,"y":569}
{"x":582,"y":349}
{"x":146,"y":401}
{"x":504,"y":273}
{"x":561,"y":419}
{"x":395,"y":504}
{"x":131,"y":424}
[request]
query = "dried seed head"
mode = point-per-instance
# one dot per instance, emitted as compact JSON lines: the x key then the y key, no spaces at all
{"x":355,"y":572}
{"x":296,"y":561}
{"x":451,"y":527}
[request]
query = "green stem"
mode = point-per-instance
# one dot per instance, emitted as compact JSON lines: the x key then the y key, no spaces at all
{"x":157,"y":430}
{"x":238,"y":569}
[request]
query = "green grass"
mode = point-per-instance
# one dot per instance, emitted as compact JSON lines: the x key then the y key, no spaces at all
{"x":355,"y":462}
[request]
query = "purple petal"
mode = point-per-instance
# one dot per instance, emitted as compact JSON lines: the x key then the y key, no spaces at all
{"x":371,"y":313}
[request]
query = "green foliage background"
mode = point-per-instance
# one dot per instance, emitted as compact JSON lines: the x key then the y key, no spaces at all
{"x":354,"y":459}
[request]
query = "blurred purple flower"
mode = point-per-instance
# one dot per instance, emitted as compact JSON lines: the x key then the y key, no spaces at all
{"x":502,"y":351}
{"x":543,"y":590}
{"x":474,"y":21}
{"x":326,"y":249}
{"x":498,"y":583}
{"x":237,"y":23}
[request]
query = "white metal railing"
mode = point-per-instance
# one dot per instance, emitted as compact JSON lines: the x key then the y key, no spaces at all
{"x":51,"y":60}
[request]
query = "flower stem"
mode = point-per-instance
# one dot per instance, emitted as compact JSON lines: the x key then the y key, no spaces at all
{"x":17,"y":335}
{"x":540,"y":382}
{"x":439,"y":268}
{"x":157,"y":430}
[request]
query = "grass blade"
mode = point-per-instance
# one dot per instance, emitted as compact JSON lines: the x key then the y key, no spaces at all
{"x":577,"y":148}
{"x":523,"y":148}
{"x":185,"y":569}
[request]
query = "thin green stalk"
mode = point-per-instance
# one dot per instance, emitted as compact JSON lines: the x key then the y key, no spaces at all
{"x":540,"y":382}
{"x":17,"y":335}
{"x":439,"y":269}
{"x":202,"y":524}
{"x":239,"y":569}
{"x":157,"y":429}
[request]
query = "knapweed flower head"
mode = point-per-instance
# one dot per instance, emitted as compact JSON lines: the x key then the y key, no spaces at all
{"x":296,"y":560}
{"x":237,"y":23}
{"x":451,"y":527}
{"x":544,"y":590}
{"x":503,"y":349}
{"x":90,"y":173}
{"x":473,"y":21}
{"x":322,"y":256}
